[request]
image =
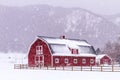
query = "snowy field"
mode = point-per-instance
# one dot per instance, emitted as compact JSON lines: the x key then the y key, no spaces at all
{"x":8,"y":72}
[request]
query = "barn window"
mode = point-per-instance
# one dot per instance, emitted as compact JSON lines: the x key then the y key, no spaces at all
{"x":74,"y":51}
{"x":75,"y":61}
{"x":66,"y":60}
{"x":59,"y":48}
{"x":39,"y":49}
{"x":105,"y":61}
{"x":84,"y":61}
{"x":56,"y":60}
{"x":36,"y":59}
{"x":92,"y":61}
{"x":86,"y":49}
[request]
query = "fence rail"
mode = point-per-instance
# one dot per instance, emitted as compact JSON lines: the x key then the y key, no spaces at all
{"x":111,"y":68}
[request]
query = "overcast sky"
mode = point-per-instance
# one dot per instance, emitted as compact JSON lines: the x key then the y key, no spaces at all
{"x":108,"y":7}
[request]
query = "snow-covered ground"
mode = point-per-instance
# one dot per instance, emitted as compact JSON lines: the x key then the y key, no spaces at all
{"x":8,"y":72}
{"x":7,"y":60}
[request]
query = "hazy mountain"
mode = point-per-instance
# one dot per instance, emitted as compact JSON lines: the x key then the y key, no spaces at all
{"x":114,"y":18}
{"x":19,"y":26}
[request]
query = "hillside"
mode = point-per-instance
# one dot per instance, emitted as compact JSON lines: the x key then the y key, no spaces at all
{"x":19,"y":26}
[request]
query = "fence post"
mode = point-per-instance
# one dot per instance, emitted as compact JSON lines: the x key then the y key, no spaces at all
{"x":14,"y":66}
{"x":112,"y":68}
{"x":101,"y":68}
{"x":91,"y":68}
{"x":55,"y":67}
{"x":63,"y":67}
{"x":22,"y":66}
{"x":47,"y":67}
{"x":33,"y":67}
{"x":81,"y":68}
{"x":40,"y":66}
{"x":26,"y":66}
{"x":72,"y":68}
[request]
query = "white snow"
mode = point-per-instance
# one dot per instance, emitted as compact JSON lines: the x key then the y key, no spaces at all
{"x":26,"y":29}
{"x":6,"y":28}
{"x":36,"y":8}
{"x":66,"y":41}
{"x":69,"y":54}
{"x":117,"y":20}
{"x":57,"y":75}
{"x":9,"y":73}
{"x":80,"y":18}
{"x":98,"y":57}
{"x":51,"y":13}
{"x":7,"y":60}
{"x":61,"y":47}
{"x":72,"y":20}
{"x":15,"y":39}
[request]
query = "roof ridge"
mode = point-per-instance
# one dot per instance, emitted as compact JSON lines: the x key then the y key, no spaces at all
{"x":59,"y":38}
{"x":46,"y":37}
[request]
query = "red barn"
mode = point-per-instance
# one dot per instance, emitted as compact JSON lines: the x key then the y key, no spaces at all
{"x":103,"y":59}
{"x":51,"y":51}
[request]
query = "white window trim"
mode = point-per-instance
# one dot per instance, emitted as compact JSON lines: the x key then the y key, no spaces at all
{"x":39,"y":50}
{"x":75,"y":61}
{"x":84,"y":61}
{"x":56,"y":60}
{"x":74,"y":51}
{"x":92,"y":61}
{"x":66,"y":60}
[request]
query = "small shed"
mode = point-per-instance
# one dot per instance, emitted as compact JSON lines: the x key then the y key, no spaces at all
{"x":103,"y":59}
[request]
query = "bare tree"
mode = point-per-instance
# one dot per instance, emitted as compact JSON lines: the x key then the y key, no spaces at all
{"x":98,"y":51}
{"x":113,"y":49}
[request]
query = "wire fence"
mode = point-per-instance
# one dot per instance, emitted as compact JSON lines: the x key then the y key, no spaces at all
{"x":110,"y":68}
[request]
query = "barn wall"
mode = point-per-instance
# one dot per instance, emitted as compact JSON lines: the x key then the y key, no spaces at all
{"x":32,"y":53}
{"x":71,"y":63}
{"x":48,"y":55}
{"x":107,"y":58}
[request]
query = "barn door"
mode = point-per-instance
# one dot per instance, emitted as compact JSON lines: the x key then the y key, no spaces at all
{"x":39,"y":60}
{"x":105,"y":61}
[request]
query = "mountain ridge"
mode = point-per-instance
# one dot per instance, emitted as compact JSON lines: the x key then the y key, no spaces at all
{"x":20,"y":26}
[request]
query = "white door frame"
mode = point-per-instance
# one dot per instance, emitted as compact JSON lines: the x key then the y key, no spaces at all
{"x":39,"y":61}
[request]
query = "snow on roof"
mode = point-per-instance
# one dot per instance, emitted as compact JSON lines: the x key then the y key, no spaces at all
{"x":63,"y":50}
{"x":98,"y":57}
{"x":70,"y":42}
{"x":77,"y":55}
{"x":60,"y":47}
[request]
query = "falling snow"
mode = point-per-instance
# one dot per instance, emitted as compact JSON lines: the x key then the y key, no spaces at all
{"x":16,"y":39}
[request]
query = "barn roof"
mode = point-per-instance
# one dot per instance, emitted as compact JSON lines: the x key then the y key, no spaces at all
{"x":69,"y":54}
{"x":66,"y":41}
{"x":60,"y":47}
{"x":98,"y":57}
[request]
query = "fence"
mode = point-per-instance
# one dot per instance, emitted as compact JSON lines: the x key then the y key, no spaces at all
{"x":111,"y":68}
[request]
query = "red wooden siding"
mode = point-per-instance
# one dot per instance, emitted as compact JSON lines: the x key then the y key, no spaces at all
{"x":105,"y":60}
{"x":74,"y":51}
{"x":71,"y":61}
{"x":46,"y":53}
{"x":48,"y":59}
